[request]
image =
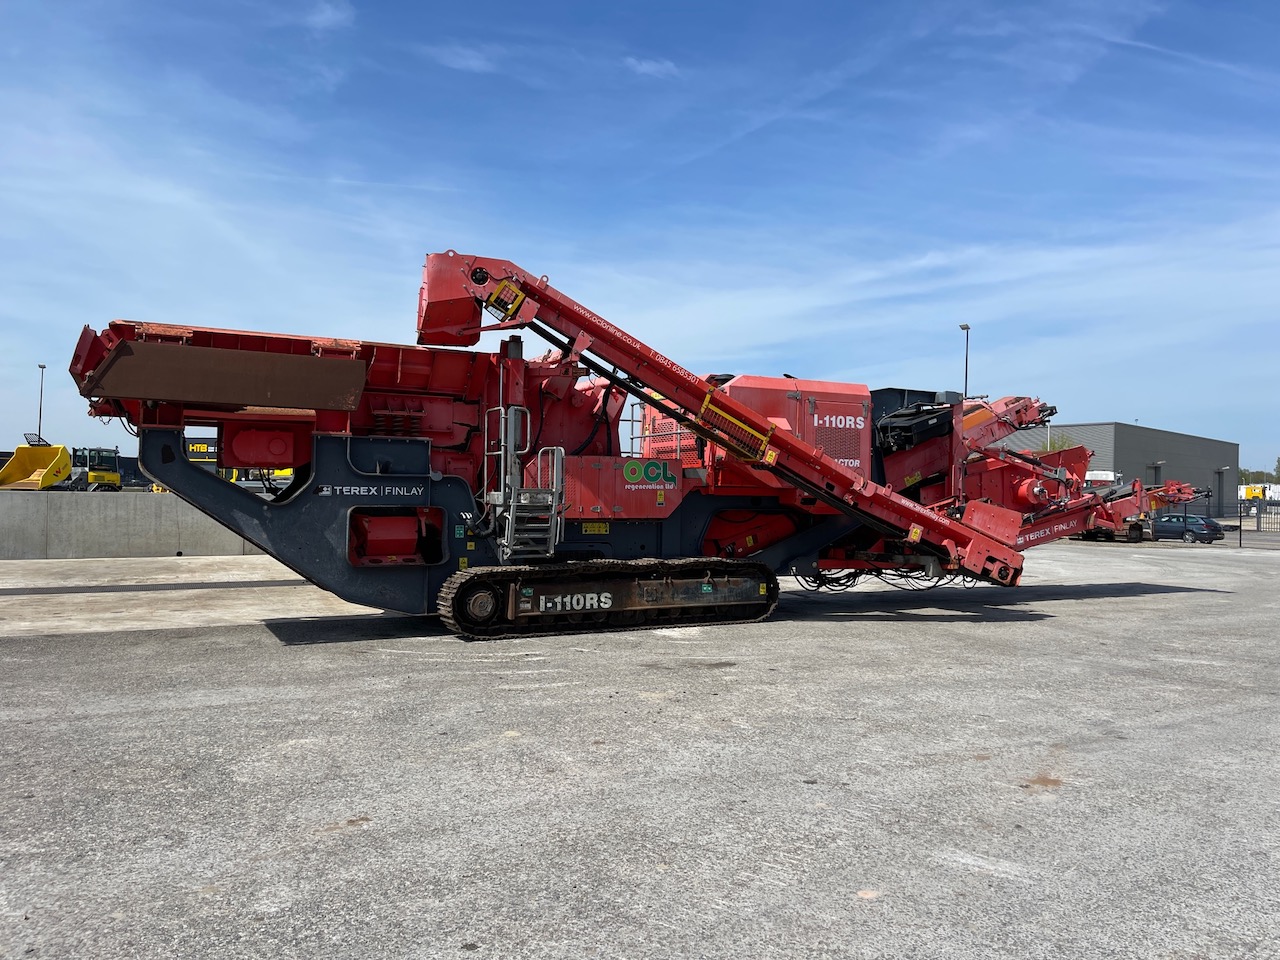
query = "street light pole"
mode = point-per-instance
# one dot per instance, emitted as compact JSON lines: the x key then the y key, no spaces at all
{"x":964,"y":464}
{"x":40,"y":408}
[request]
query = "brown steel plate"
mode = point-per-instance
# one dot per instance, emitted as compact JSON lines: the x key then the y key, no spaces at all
{"x":213,"y":376}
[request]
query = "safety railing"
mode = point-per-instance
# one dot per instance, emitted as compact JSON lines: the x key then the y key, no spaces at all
{"x":1259,"y":516}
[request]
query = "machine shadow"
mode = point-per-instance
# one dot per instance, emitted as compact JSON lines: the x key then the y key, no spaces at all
{"x":941,"y":605}
{"x":959,"y":604}
{"x":355,"y":629}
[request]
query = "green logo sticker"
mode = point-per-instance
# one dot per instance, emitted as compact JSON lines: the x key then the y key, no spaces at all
{"x":648,"y":471}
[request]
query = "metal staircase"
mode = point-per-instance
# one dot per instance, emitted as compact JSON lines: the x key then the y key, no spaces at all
{"x":530,"y":518}
{"x":535,"y":515}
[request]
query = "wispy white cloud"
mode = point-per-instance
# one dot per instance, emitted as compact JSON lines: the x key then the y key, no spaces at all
{"x":972,"y":74}
{"x":660,"y":69}
{"x":989,"y":26}
{"x":759,"y":109}
{"x":1008,"y":63}
{"x":330,"y":15}
{"x":1266,"y":78}
{"x":1215,"y":159}
{"x":464,"y":57}
{"x":1054,"y":44}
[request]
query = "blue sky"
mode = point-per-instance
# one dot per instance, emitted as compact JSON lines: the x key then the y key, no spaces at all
{"x":826,"y":190}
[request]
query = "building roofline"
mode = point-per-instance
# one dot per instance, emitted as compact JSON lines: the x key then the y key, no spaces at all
{"x":1138,"y":426}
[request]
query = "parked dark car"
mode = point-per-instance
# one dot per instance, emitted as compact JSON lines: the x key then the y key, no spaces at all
{"x":1189,"y":528}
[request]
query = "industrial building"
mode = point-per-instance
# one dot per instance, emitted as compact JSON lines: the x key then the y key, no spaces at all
{"x":1135,"y":452}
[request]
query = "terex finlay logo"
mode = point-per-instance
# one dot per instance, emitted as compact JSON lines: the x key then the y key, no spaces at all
{"x":648,"y":475}
{"x":376,"y":490}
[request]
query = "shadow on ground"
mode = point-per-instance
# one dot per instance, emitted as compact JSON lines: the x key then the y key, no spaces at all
{"x":356,"y":629}
{"x":956,"y":604}
{"x":942,"y":605}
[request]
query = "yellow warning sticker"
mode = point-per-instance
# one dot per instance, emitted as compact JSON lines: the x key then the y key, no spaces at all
{"x":595,"y":528}
{"x":462,"y":563}
{"x":771,"y":456}
{"x":915,"y":533}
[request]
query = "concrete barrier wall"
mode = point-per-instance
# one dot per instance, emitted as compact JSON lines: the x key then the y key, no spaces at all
{"x":36,"y":525}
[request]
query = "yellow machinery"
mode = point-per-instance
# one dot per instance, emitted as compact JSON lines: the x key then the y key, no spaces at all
{"x":205,"y":453}
{"x":95,"y":468}
{"x":35,"y":465}
{"x":39,"y":465}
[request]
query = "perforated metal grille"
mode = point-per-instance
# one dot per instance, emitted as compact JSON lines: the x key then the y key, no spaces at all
{"x":663,"y":438}
{"x":737,"y":436}
{"x":839,"y":444}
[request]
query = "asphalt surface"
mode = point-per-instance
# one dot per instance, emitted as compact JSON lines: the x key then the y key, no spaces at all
{"x":209,"y":758}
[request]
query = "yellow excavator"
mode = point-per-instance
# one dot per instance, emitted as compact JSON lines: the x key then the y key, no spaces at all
{"x":40,"y":465}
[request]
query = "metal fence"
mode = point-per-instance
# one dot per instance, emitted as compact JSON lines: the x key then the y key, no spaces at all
{"x":1259,"y":516}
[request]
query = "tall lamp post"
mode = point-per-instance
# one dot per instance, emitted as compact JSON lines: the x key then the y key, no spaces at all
{"x":40,"y":408}
{"x":964,"y":464}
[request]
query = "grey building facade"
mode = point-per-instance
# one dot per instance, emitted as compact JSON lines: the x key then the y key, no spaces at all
{"x":1135,"y":452}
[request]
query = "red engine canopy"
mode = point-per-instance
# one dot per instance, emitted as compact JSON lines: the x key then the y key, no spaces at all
{"x":833,"y":416}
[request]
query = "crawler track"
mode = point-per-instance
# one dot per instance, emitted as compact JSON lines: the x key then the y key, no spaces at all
{"x":489,"y":603}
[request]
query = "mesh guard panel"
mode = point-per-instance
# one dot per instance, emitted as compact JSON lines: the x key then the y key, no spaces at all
{"x":747,"y":443}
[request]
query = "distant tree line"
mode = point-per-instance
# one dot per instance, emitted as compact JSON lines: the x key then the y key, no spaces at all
{"x":1261,"y":476}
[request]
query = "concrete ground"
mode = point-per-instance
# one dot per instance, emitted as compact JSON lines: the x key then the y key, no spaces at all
{"x":209,"y":758}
